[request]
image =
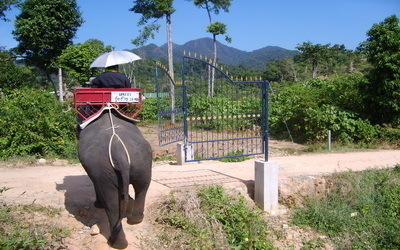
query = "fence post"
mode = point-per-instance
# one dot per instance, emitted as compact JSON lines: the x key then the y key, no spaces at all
{"x":329,"y":140}
{"x":265,"y":113}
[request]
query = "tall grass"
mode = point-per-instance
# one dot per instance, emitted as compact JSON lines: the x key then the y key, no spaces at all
{"x":360,"y":210}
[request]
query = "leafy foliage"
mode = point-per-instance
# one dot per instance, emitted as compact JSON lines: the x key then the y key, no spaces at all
{"x":233,"y":213}
{"x":76,"y":59}
{"x":360,"y":210}
{"x":151,"y":9}
{"x":382,"y":93}
{"x":149,"y":111}
{"x":43,"y":29}
{"x":313,"y":107}
{"x":13,"y":75}
{"x":33,"y":122}
{"x":218,"y":28}
{"x":318,"y":55}
{"x":212,"y":218}
{"x":6,"y":5}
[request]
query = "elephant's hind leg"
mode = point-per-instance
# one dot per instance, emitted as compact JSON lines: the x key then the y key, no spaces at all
{"x":136,"y":212}
{"x":111,"y":198}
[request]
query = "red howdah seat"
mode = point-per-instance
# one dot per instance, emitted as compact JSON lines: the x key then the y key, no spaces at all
{"x":89,"y":102}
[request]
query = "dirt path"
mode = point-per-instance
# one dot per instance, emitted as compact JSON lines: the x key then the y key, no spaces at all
{"x":67,"y":186}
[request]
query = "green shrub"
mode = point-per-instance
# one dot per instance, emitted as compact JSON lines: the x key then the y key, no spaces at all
{"x":361,"y":210}
{"x":244,"y":226}
{"x":313,"y":107}
{"x":210,"y":218}
{"x":391,"y":135}
{"x":149,"y":111}
{"x":33,"y":122}
{"x":345,"y":126}
{"x":13,"y":75}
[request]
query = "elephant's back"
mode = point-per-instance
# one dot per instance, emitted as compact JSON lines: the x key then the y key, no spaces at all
{"x":97,"y":135}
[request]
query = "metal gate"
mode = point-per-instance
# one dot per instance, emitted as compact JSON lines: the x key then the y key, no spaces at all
{"x":170,"y":107}
{"x":213,"y":115}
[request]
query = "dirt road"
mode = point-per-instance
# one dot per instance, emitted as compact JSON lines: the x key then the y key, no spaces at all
{"x":67,"y":187}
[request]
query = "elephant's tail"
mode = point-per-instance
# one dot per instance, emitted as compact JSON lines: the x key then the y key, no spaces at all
{"x":120,"y":161}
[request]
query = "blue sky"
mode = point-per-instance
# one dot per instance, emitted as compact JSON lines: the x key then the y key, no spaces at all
{"x":252,"y":24}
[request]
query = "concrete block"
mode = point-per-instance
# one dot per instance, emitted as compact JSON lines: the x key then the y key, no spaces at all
{"x":181,"y":155}
{"x":266,"y":185}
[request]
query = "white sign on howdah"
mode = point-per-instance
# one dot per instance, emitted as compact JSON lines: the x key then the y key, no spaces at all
{"x":125,"y":97}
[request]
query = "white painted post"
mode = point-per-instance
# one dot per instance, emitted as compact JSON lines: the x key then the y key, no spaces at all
{"x":60,"y":86}
{"x":266,"y":185}
{"x":329,"y":140}
{"x":180,"y":153}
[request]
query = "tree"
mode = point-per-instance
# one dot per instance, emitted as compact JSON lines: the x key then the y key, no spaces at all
{"x":382,"y":50}
{"x":215,"y":28}
{"x":155,"y":9}
{"x":44,"y":28}
{"x":5,"y":5}
{"x":323,"y":58}
{"x":76,"y":59}
{"x":12,"y":75}
{"x":281,"y":70}
{"x":315,"y":54}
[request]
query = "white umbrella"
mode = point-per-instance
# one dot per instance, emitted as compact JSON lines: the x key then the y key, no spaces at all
{"x":114,"y":58}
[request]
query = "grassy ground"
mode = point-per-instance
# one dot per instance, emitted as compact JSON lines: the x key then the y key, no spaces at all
{"x":360,"y":210}
{"x":29,"y":227}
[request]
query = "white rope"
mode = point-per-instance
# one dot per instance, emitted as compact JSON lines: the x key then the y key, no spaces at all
{"x":111,"y":139}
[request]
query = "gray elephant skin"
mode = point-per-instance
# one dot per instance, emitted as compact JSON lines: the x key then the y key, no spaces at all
{"x":112,"y":167}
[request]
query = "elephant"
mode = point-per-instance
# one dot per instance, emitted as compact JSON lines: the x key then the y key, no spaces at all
{"x":114,"y":154}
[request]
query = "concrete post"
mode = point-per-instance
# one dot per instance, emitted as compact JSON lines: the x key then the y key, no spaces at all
{"x":180,"y":153}
{"x":266,"y":185}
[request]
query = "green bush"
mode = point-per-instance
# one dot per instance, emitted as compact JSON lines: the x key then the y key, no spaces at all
{"x":152,"y":106}
{"x":244,"y":226}
{"x":210,"y":218}
{"x":313,"y":107}
{"x":391,"y":135}
{"x":14,"y":76}
{"x":361,"y":210}
{"x":345,"y":126}
{"x":33,"y":122}
{"x":149,"y":111}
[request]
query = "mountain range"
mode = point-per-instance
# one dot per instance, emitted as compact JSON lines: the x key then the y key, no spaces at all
{"x":256,"y":59}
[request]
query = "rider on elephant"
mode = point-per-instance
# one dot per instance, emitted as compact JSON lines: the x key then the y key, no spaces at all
{"x":111,"y":78}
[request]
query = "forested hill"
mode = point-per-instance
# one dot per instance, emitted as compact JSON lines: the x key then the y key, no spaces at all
{"x":228,"y":55}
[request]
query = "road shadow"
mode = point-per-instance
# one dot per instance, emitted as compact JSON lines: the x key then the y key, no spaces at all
{"x":79,"y":201}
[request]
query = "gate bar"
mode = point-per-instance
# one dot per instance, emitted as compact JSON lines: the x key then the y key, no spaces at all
{"x":265,"y":117}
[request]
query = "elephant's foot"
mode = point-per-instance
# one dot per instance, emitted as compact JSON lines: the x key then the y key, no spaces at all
{"x":98,"y":204}
{"x":135,"y":219}
{"x":118,"y":240}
